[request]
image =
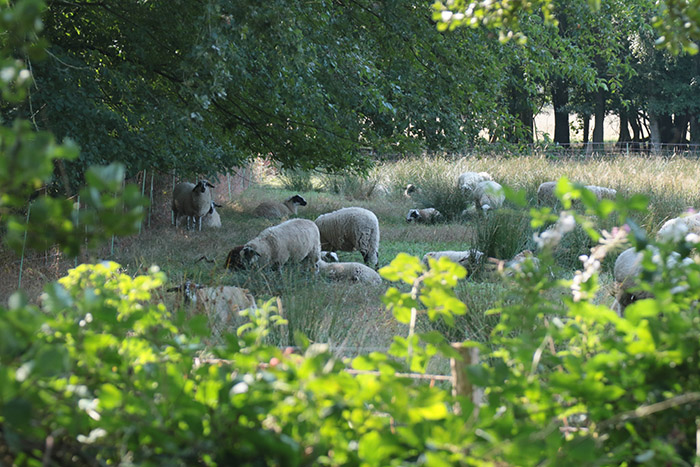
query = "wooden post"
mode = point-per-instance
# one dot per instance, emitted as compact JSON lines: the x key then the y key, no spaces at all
{"x":461,"y":386}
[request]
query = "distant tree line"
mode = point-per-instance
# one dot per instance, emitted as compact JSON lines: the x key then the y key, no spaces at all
{"x":200,"y":87}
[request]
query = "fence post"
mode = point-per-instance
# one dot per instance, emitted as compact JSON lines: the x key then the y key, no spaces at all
{"x":77,"y":223}
{"x":24,"y":243}
{"x":461,"y":386}
{"x":150,"y":207}
{"x":143,"y":192}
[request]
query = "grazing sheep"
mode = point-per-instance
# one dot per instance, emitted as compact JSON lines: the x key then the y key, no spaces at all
{"x":488,"y":195}
{"x":602,"y":192}
{"x":276,"y":209}
{"x":676,"y":229}
{"x":193,"y":201}
{"x":545,"y":194}
{"x":628,"y":268}
{"x":427,"y":215}
{"x":234,"y":260}
{"x":468,"y":181}
{"x":295,"y":240}
{"x":469,"y":259}
{"x":221,"y":306}
{"x":350,"y":229}
{"x":352,"y":272}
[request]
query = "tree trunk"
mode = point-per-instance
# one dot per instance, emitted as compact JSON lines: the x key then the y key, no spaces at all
{"x":560,"y":98}
{"x":624,"y":128}
{"x":694,"y":129}
{"x":654,"y":133}
{"x":636,"y":130}
{"x":599,"y":118}
{"x":586,"y":127}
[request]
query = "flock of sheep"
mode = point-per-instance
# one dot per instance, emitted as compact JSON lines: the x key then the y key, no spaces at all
{"x":314,"y":243}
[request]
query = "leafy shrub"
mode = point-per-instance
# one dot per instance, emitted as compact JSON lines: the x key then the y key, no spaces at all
{"x":296,"y":180}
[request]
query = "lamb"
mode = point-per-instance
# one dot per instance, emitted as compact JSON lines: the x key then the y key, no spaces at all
{"x":277,"y":210}
{"x":410,"y":190}
{"x":468,"y":181}
{"x":350,"y":229}
{"x":212,"y":218}
{"x":488,"y":195}
{"x":352,"y":272}
{"x":676,"y":229}
{"x":469,"y":259}
{"x":193,"y":201}
{"x":295,"y":240}
{"x":427,"y":215}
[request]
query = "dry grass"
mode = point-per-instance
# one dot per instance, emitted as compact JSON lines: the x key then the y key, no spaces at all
{"x":353,"y":316}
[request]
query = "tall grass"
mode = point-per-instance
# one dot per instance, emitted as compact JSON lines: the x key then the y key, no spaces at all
{"x":353,"y":316}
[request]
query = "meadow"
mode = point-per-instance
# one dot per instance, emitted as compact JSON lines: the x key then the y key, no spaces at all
{"x":352,"y":316}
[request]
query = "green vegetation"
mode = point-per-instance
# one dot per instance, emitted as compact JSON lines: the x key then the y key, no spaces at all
{"x":105,"y":369}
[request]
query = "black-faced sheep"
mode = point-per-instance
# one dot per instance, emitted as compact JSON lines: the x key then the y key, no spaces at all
{"x":295,"y":240}
{"x":277,"y":210}
{"x":351,"y":272}
{"x":234,"y":261}
{"x":193,"y":201}
{"x":425,"y":216}
{"x":488,"y":195}
{"x":212,"y":218}
{"x":350,"y":229}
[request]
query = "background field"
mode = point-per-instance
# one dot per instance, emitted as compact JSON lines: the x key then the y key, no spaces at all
{"x":353,"y":316}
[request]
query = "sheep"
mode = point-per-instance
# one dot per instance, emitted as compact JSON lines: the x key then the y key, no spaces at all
{"x":469,"y":259}
{"x":191,"y":200}
{"x":410,"y":190}
{"x":676,"y":229}
{"x":427,"y":215}
{"x":488,"y":195}
{"x":602,"y":192}
{"x":353,"y":272}
{"x":212,"y":218}
{"x":221,"y":306}
{"x":350,"y":229}
{"x":277,"y":210}
{"x":545,"y":194}
{"x":330,"y":256}
{"x":468,"y":181}
{"x":628,"y":269}
{"x":295,"y":240}
{"x":234,"y":260}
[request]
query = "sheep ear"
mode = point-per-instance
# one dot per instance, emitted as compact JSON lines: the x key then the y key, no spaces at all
{"x":210,"y":185}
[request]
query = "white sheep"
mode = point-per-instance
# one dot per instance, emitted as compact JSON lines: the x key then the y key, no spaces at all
{"x":410,"y":190}
{"x":676,"y":229}
{"x":330,"y":257}
{"x":469,"y":259}
{"x":212,"y":218}
{"x":488,"y":195}
{"x":350,"y":229}
{"x":221,"y":305}
{"x":628,"y":269}
{"x":602,"y":192}
{"x":277,"y":210}
{"x":193,"y":201}
{"x":468,"y":181}
{"x":295,"y":240}
{"x":545,"y":194}
{"x":352,"y":272}
{"x":427,"y":215}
